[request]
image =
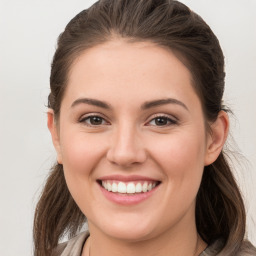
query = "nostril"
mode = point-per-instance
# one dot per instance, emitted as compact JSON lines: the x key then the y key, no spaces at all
{"x":126,"y":157}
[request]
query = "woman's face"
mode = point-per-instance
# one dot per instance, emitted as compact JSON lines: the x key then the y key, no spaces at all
{"x":131,"y":121}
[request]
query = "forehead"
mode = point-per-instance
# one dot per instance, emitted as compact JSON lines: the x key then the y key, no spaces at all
{"x":130,"y":71}
{"x":133,"y":57}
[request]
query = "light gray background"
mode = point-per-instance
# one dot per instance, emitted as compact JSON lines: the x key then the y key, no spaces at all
{"x":28,"y":33}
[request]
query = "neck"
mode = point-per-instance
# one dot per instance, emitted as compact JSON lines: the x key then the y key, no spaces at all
{"x":177,"y":241}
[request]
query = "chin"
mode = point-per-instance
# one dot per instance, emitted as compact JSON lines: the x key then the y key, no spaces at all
{"x":131,"y":234}
{"x":127,"y":229}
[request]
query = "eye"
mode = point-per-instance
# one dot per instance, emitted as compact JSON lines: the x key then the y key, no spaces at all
{"x":93,"y":120}
{"x":162,"y":121}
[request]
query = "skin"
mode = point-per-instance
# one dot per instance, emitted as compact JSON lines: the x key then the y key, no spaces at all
{"x":128,"y":141}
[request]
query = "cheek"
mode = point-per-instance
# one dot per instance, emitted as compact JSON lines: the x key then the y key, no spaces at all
{"x":181,"y":155}
{"x":81,"y":153}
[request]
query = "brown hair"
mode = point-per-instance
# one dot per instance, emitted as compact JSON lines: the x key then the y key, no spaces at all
{"x":220,"y":210}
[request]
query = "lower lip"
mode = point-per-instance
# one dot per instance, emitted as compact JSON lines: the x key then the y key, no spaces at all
{"x":126,"y":199}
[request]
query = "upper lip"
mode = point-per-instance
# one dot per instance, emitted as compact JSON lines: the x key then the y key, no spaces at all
{"x":127,"y":178}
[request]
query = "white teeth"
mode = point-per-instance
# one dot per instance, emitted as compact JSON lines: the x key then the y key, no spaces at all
{"x":138,"y":188}
{"x":114,"y":187}
{"x":145,"y":187}
{"x":109,"y":187}
{"x":105,"y":185}
{"x":129,"y":188}
{"x":121,"y":187}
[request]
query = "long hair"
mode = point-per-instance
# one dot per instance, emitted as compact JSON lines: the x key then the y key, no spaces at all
{"x":220,"y":210}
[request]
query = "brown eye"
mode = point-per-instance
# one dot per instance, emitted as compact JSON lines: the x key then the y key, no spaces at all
{"x":162,"y":121}
{"x":93,"y":121}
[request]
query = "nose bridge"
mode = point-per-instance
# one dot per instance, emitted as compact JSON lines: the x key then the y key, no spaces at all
{"x":126,"y":146}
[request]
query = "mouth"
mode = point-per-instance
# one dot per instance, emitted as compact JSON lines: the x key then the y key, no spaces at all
{"x":128,"y":190}
{"x":128,"y":187}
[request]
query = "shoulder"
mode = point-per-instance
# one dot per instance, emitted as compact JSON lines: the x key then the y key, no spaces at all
{"x":213,"y":249}
{"x":216,"y":249}
{"x":72,"y":247}
{"x":247,"y":249}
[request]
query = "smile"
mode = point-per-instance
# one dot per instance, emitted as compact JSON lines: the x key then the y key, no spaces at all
{"x":128,"y":187}
{"x":128,"y":190}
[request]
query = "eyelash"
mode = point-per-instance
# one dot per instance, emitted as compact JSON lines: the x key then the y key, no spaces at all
{"x":170,"y":121}
{"x":88,"y":117}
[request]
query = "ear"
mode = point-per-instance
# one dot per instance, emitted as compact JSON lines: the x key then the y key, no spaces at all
{"x":54,"y":133}
{"x":217,"y":137}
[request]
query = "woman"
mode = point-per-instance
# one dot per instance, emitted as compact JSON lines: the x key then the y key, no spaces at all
{"x":137,"y":121}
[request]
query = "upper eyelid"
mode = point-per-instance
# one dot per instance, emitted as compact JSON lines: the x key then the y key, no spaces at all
{"x":163,"y":115}
{"x":84,"y":116}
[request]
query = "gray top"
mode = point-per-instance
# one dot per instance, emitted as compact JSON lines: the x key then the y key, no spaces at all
{"x":74,"y":247}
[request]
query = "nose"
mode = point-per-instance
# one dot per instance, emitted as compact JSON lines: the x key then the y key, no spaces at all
{"x":126,"y":147}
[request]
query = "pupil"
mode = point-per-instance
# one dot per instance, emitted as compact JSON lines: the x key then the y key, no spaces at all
{"x":96,"y":120}
{"x":161,"y":121}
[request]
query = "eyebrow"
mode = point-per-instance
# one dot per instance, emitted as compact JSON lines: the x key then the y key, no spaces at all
{"x":146,"y":105}
{"x":92,"y":102}
{"x":156,"y":103}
